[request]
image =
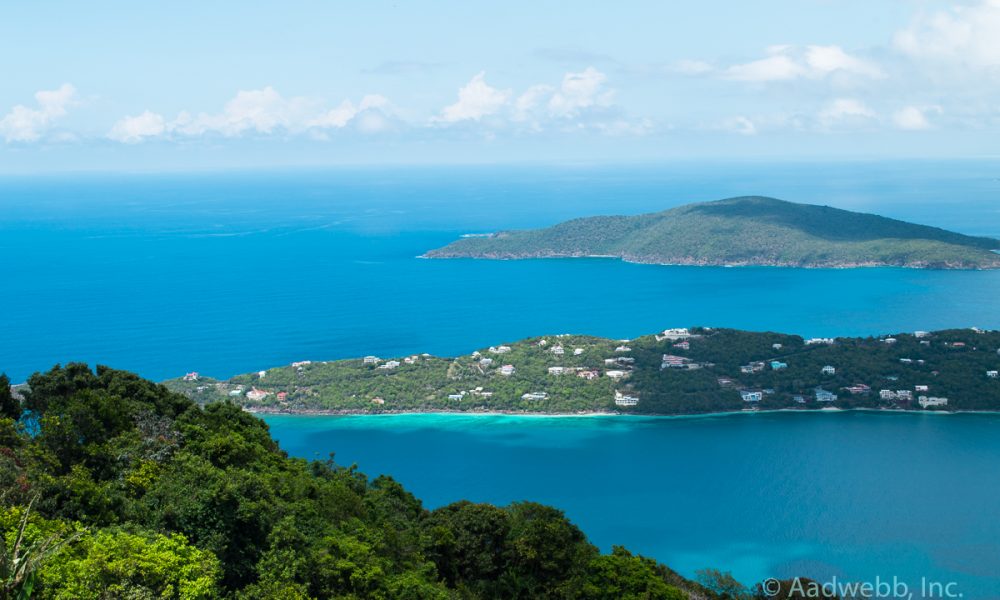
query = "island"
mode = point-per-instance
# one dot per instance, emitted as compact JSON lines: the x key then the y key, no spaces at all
{"x":678,"y":371}
{"x":743,"y":231}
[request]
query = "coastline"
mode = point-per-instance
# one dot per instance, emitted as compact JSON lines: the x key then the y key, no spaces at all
{"x":595,"y":414}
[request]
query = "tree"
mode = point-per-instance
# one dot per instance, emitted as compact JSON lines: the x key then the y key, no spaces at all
{"x":10,"y":407}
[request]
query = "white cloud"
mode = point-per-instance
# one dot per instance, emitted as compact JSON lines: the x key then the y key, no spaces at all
{"x":786,"y":63}
{"x":261,"y":112}
{"x":773,"y":68}
{"x":739,"y":124}
{"x":691,"y":67}
{"x":968,"y":34}
{"x":914,"y":118}
{"x":579,"y":91}
{"x":24,"y":124}
{"x":823,"y":60}
{"x":131,"y":130}
{"x":845,"y":111}
{"x":476,"y":100}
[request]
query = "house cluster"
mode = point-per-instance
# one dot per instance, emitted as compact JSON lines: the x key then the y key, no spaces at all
{"x":754,"y":367}
{"x":625,"y":399}
{"x":499,"y":349}
{"x":814,"y":341}
{"x":478,"y":392}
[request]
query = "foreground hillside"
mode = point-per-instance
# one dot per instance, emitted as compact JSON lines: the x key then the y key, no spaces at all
{"x":675,"y":372}
{"x":115,"y":487}
{"x":742,"y":231}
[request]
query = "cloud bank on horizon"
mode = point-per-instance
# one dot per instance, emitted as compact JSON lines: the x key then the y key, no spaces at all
{"x":936,"y":71}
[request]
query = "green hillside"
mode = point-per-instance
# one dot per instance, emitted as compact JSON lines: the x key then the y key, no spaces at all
{"x":706,"y":372}
{"x":742,"y":231}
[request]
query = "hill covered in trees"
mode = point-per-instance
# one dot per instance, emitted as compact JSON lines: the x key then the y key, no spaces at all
{"x":741,"y":231}
{"x":675,"y":372}
{"x":116,"y":487}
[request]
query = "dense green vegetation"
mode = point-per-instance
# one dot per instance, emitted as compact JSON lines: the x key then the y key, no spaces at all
{"x":953,"y":364}
{"x":115,"y":487}
{"x":742,"y":231}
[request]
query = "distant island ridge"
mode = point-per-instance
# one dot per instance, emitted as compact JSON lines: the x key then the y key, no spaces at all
{"x":681,"y":371}
{"x":743,"y":231}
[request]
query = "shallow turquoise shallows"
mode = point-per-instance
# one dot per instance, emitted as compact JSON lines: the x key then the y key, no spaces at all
{"x":850,"y":494}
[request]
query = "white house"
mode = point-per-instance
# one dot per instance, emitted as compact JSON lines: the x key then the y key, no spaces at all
{"x":751,"y":395}
{"x":371,"y":360}
{"x":192,"y":376}
{"x":588,"y":375}
{"x":577,"y":351}
{"x":991,"y":374}
{"x":458,"y":396}
{"x":507,"y":370}
{"x":625,"y":399}
{"x":534,"y":396}
{"x":623,"y":348}
{"x":261,"y":374}
{"x":921,"y":388}
{"x":829,"y":370}
{"x":558,"y":350}
{"x":614,"y":374}
{"x":825,"y":396}
{"x":389,"y":365}
{"x":926,"y":401}
{"x":485,"y":361}
{"x":557,"y":370}
{"x":499,"y":349}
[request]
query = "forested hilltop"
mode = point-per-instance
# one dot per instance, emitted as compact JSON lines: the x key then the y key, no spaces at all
{"x":679,"y":371}
{"x":741,"y":231}
{"x":116,"y":487}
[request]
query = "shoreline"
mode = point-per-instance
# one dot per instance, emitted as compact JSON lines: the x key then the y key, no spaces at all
{"x":597,"y":414}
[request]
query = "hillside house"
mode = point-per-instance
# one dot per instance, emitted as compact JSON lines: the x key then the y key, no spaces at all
{"x":557,"y":370}
{"x":858,"y":388}
{"x":991,"y":374}
{"x":829,"y":370}
{"x":457,"y":396}
{"x":625,"y":399}
{"x":671,"y":361}
{"x":499,"y":349}
{"x":261,"y":374}
{"x":256,"y":395}
{"x":926,"y":401}
{"x":377,"y":400}
{"x":615,"y":374}
{"x":389,"y":365}
{"x":485,"y":362}
{"x":192,"y":376}
{"x":674,"y":335}
{"x":815,"y":341}
{"x":799,"y":399}
{"x":889,"y":340}
{"x":371,"y":360}
{"x":534,"y":396}
{"x":588,"y":375}
{"x":776,"y":346}
{"x":558,"y":350}
{"x":577,"y":351}
{"x":282,"y":396}
{"x":507,"y":370}
{"x":623,"y":348}
{"x":904,"y":395}
{"x":887,"y":394}
{"x":921,"y":388}
{"x":777,"y":365}
{"x":751,"y":395}
{"x":825,"y":396}
{"x":685,"y":345}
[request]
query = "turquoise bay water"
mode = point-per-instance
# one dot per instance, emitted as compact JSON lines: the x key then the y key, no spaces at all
{"x":852,"y":495}
{"x":230,"y":273}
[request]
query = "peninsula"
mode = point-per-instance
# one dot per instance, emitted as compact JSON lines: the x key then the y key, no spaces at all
{"x":677,"y":371}
{"x":743,"y":231}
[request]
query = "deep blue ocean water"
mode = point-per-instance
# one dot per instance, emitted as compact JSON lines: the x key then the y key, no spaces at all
{"x":232,"y":272}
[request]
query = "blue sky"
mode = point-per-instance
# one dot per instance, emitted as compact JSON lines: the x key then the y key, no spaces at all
{"x":178,"y":85}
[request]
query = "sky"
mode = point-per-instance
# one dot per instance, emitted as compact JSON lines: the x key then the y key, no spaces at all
{"x":150,"y":86}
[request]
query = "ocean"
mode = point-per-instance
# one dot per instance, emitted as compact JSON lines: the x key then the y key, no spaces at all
{"x":234,"y":272}
{"x":225,"y":273}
